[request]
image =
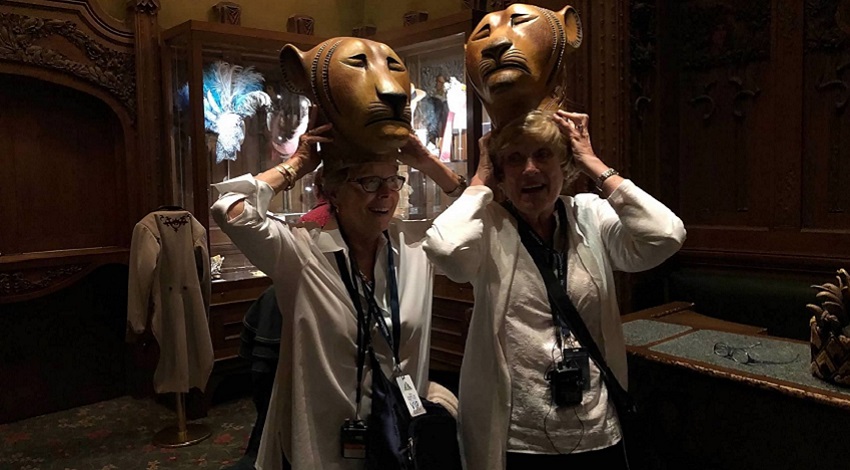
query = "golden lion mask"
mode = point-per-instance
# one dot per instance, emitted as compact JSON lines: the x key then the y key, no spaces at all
{"x":515,"y":58}
{"x":362,"y":87}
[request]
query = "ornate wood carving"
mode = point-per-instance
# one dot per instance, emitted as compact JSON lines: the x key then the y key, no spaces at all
{"x":838,"y":145}
{"x":413,"y":17}
{"x":364,"y":31}
{"x":21,"y":39}
{"x":495,"y":5}
{"x":642,"y":46}
{"x":25,"y":282}
{"x":722,"y":34}
{"x":301,"y":24}
{"x":228,"y":12}
{"x":827,"y":25}
{"x":147,"y":7}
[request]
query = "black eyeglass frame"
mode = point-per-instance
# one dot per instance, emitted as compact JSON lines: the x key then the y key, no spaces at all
{"x":729,"y":352}
{"x":363,"y":181}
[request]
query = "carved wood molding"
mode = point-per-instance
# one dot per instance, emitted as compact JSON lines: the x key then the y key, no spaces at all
{"x":364,"y":31}
{"x":413,"y":17}
{"x":228,"y":12}
{"x":722,"y":34}
{"x":148,"y":7}
{"x":300,"y":24}
{"x":19,"y":283}
{"x":20,"y":41}
{"x":827,"y":25}
{"x":642,"y":61}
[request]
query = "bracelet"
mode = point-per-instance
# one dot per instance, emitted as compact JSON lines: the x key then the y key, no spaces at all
{"x":461,"y":186}
{"x":288,"y":173}
{"x":604,"y":176}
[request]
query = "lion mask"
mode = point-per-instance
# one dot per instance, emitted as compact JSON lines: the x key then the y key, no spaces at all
{"x":515,"y":58}
{"x":363,"y":88}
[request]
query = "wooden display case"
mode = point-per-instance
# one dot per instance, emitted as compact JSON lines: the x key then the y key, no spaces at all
{"x":449,"y":119}
{"x":433,"y":52}
{"x":189,"y":53}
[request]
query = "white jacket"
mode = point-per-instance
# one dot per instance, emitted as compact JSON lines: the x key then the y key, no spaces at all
{"x":169,"y":286}
{"x":476,"y":241}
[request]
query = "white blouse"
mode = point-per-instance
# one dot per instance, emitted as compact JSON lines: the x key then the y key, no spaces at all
{"x":536,"y":425}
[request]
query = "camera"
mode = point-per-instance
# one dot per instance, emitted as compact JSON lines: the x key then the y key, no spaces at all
{"x":353,"y":438}
{"x":569,"y":378}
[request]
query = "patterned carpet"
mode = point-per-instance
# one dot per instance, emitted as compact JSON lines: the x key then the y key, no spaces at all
{"x":116,"y":435}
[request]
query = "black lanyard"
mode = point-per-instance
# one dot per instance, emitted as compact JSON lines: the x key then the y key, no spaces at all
{"x":364,"y":319}
{"x":555,"y":260}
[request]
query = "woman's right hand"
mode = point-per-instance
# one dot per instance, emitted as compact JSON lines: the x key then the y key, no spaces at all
{"x":306,"y":157}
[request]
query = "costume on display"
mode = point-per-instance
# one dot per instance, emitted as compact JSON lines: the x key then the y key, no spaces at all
{"x":169,"y":291}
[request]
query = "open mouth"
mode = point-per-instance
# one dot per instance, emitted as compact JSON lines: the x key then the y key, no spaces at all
{"x":534,"y":188}
{"x":379,"y":211}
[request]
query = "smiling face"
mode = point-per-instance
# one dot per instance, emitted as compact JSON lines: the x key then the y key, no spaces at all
{"x":361,"y":86}
{"x":362,"y":212}
{"x":514,"y":57}
{"x":531,"y":175}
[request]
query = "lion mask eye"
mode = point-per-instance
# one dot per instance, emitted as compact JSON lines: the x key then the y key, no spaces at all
{"x":482,"y":33}
{"x":520,"y":18}
{"x":359,"y":61}
{"x":395,"y":65}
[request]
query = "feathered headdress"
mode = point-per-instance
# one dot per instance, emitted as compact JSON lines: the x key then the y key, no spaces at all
{"x":231,"y":94}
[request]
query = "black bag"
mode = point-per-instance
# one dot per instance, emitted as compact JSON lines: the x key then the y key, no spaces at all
{"x":398,"y":441}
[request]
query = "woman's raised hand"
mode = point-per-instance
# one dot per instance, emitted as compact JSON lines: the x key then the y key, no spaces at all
{"x":307,"y":152}
{"x":575,"y":127}
{"x":413,"y":153}
{"x":484,"y":174}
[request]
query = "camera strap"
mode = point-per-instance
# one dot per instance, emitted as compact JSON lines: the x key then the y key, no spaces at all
{"x":364,"y":319}
{"x":563,"y":308}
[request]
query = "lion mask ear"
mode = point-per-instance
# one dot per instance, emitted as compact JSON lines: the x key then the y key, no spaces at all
{"x":295,"y":75}
{"x":572,"y":26}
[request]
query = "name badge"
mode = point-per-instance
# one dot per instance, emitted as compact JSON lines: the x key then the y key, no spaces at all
{"x":411,"y":396}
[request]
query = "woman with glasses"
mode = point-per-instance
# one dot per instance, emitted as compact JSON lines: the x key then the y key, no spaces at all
{"x":314,"y":269}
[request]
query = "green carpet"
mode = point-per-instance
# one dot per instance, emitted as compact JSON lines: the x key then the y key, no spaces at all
{"x":116,"y":435}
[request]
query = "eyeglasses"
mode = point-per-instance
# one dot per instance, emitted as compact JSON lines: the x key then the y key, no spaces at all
{"x":741,"y":354}
{"x":371,"y":184}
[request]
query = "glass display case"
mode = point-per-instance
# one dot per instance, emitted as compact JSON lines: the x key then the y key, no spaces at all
{"x":229,"y":114}
{"x":446,"y":115}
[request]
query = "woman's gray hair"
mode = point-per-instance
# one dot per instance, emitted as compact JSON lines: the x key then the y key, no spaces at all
{"x":331,"y":181}
{"x":538,"y":126}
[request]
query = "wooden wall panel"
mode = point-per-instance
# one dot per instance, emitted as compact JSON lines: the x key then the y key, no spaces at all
{"x":66,"y":187}
{"x":737,"y":119}
{"x":826,"y":89}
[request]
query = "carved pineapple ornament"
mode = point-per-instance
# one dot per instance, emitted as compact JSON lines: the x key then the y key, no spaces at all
{"x":830,"y":326}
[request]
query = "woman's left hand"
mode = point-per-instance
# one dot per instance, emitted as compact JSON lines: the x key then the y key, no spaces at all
{"x":414,"y":154}
{"x":575,"y":126}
